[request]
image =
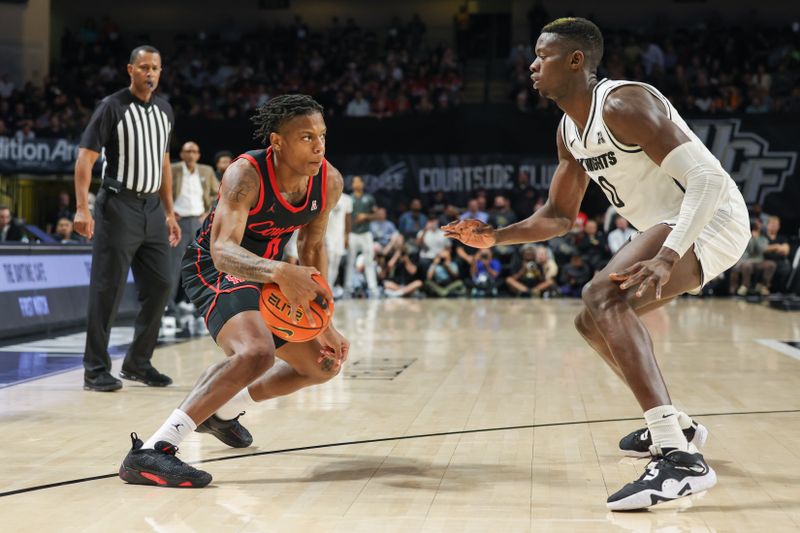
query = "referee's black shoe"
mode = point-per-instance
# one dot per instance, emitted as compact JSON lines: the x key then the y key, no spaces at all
{"x":159,"y":467}
{"x":150,"y":376}
{"x":102,"y":382}
{"x":230,"y":432}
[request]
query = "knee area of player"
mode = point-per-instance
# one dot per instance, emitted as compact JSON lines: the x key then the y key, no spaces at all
{"x":326,"y":370}
{"x":583,"y":324}
{"x":602,"y":295}
{"x":255,"y":359}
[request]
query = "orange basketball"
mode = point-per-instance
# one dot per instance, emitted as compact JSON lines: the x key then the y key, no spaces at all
{"x":276,"y":312}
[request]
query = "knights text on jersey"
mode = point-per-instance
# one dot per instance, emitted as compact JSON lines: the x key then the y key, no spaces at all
{"x":638,"y":188}
{"x":272,"y":221}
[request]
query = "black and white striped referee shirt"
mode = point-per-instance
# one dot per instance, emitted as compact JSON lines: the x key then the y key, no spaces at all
{"x":133,"y":136}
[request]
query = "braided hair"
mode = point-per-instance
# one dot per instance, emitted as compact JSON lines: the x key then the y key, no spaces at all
{"x":270,"y":117}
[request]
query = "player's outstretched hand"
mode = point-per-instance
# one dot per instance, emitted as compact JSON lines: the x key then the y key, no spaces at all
{"x":299,"y":288}
{"x":471,"y":232}
{"x":653,"y":272}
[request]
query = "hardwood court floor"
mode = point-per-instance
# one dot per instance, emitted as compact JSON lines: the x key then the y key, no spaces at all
{"x":452,"y":415}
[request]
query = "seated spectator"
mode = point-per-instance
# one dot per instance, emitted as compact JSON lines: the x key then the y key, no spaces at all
{"x":465,"y":257}
{"x":528,"y":278}
{"x":358,"y":106}
{"x":384,"y":233}
{"x":401,"y":275}
{"x":64,"y":233}
{"x":485,"y":274}
{"x":430,"y":243}
{"x":778,"y":251}
{"x":574,"y":275}
{"x":523,"y":196}
{"x":10,"y":231}
{"x":437,"y":204}
{"x":412,"y":221}
{"x":450,"y":214}
{"x":473,"y":211}
{"x":549,"y":267}
{"x":753,"y":261}
{"x":501,"y":216}
{"x":565,"y":246}
{"x":442,"y":278}
{"x":62,"y":211}
{"x":592,"y":247}
{"x":757,"y":212}
{"x":619,"y":236}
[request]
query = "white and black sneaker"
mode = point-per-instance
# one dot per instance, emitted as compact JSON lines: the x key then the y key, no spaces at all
{"x":665,"y":478}
{"x":637,"y":444}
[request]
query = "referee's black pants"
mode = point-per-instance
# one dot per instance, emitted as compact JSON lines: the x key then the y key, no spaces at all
{"x":130,"y":232}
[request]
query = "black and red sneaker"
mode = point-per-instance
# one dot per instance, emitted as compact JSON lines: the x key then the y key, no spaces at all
{"x":159,"y":467}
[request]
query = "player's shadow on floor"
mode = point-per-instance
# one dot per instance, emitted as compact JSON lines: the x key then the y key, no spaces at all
{"x":404,"y":473}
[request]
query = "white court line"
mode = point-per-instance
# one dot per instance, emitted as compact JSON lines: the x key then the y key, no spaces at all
{"x":782,"y":347}
{"x":72,"y":343}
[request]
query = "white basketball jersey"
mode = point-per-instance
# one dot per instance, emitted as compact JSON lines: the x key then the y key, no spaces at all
{"x":638,"y":188}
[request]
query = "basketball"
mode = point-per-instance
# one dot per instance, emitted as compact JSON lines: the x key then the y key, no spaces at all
{"x":276,"y":312}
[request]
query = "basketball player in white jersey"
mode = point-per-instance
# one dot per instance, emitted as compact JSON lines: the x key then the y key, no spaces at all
{"x":694,"y":225}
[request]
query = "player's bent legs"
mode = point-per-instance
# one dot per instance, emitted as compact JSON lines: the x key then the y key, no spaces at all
{"x":248,"y":343}
{"x":297,"y":368}
{"x":613,"y":312}
{"x":586,"y":326}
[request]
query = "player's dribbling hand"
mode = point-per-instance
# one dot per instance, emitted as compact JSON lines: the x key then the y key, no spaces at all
{"x":299,"y":288}
{"x":335,"y":348}
{"x":653,"y":272}
{"x":471,"y":232}
{"x":84,"y":223}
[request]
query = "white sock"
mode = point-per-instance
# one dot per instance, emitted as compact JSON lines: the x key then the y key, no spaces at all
{"x":236,"y":405}
{"x":684,"y":420}
{"x":176,"y":428}
{"x":665,"y":430}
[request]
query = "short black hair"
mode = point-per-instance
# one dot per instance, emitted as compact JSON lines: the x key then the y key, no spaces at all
{"x":584,"y":33}
{"x":143,"y":48}
{"x":271,"y":116}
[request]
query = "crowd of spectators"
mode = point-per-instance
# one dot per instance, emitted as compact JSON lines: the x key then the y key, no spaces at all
{"x":413,"y":258}
{"x":350,"y":70}
{"x":708,"y":68}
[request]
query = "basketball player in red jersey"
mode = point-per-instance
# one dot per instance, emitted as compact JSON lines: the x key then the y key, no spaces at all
{"x":629,"y":139}
{"x":265,"y":195}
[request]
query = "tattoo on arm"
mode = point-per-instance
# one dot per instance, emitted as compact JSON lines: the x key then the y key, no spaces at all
{"x":238,"y":262}
{"x":239,"y":190}
{"x":238,"y":193}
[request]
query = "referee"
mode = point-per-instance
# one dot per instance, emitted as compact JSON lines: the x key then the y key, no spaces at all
{"x":135,"y":224}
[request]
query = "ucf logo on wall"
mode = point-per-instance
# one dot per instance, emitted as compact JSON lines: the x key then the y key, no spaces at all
{"x":746,"y":156}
